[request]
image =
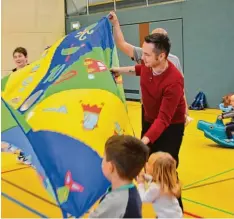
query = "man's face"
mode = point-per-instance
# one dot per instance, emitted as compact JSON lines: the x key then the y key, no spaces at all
{"x":150,"y":58}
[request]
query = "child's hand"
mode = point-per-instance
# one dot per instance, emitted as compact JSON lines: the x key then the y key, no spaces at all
{"x":140,"y":177}
{"x":220,"y":117}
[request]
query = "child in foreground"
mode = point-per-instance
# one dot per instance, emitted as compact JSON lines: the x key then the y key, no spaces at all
{"x":163,"y":186}
{"x":124,"y":158}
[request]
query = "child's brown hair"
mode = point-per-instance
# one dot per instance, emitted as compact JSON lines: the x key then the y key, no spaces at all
{"x":128,"y":155}
{"x":227,"y":99}
{"x":20,"y":50}
{"x":164,"y":173}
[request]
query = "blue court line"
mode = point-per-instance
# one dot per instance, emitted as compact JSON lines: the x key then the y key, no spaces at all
{"x":23,"y":205}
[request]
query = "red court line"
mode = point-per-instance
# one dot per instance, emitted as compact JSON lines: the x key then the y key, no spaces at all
{"x":12,"y":170}
{"x":192,"y":215}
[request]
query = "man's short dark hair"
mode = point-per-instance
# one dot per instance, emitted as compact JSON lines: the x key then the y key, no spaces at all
{"x":21,"y":50}
{"x":161,"y":42}
{"x":128,"y":154}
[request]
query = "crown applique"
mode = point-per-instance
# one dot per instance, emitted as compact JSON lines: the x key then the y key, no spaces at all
{"x":91,"y":108}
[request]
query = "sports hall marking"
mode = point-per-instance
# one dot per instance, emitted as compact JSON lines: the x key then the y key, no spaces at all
{"x":207,"y":184}
{"x":29,"y":192}
{"x":23,"y":205}
{"x":51,"y":203}
{"x":189,"y":186}
{"x":192,"y":215}
{"x":208,"y":206}
{"x":12,"y":170}
{"x":210,"y":177}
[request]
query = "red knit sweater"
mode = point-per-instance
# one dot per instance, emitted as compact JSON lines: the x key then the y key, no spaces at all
{"x":163,"y":98}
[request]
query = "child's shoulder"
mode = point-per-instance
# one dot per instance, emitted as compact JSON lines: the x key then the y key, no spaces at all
{"x":116,"y":203}
{"x":112,"y":205}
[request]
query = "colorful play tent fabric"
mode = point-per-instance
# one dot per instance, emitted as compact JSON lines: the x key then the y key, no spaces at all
{"x":61,"y":109}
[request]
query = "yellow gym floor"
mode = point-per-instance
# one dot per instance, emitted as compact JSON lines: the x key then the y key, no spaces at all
{"x":206,"y":172}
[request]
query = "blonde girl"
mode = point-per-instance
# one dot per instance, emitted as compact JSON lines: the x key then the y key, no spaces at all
{"x":162,"y":185}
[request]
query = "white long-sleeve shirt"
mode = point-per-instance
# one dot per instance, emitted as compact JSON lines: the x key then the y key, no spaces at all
{"x":165,"y":206}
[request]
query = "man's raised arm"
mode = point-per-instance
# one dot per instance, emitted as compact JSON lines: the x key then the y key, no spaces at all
{"x":124,"y":46}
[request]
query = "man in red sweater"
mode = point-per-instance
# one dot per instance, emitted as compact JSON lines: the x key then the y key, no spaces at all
{"x":162,"y":87}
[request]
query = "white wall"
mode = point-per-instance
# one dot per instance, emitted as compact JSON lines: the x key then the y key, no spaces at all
{"x":76,"y":6}
{"x":33,"y":24}
{"x":79,"y":6}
